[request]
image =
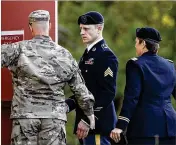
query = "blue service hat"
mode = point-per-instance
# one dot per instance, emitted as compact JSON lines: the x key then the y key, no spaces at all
{"x":91,"y":17}
{"x":148,"y":34}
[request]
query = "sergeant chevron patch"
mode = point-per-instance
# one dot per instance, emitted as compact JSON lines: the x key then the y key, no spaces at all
{"x":108,"y":72}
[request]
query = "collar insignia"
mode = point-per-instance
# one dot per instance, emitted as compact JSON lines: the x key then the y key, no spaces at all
{"x":94,"y":49}
{"x":104,"y":45}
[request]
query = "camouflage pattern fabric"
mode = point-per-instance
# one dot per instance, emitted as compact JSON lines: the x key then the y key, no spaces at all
{"x":39,"y":15}
{"x":38,"y":132}
{"x":40,"y":70}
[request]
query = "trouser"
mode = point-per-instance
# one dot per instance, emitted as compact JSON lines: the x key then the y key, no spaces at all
{"x":152,"y":141}
{"x":95,"y":140}
{"x":38,"y":132}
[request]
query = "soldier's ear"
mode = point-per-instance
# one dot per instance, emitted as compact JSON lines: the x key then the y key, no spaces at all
{"x":100,"y":28}
{"x":30,"y":27}
{"x":49,"y":25}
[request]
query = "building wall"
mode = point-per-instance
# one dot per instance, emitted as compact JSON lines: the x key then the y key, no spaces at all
{"x":14,"y":16}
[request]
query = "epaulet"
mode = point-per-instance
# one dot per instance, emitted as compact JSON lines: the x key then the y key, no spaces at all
{"x":170,"y":60}
{"x":134,"y":58}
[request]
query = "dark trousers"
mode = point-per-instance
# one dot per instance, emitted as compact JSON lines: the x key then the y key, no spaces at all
{"x":152,"y":141}
{"x":95,"y":140}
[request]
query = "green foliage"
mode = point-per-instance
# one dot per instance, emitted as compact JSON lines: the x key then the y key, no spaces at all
{"x":121,"y":20}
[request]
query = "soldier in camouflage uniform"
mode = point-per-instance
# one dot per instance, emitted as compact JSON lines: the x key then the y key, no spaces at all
{"x":40,"y":70}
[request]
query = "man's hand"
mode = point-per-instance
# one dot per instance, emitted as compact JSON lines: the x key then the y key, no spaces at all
{"x":92,"y":121}
{"x":66,"y":108}
{"x":115,"y":134}
{"x":82,"y":130}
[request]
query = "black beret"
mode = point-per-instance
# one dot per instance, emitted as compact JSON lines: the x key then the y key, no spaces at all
{"x":91,"y":17}
{"x":148,"y":34}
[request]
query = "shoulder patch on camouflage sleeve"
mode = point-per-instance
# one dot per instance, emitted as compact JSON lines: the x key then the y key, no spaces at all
{"x":170,"y":60}
{"x":134,"y":58}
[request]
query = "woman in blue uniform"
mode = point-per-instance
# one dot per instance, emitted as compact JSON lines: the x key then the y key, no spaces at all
{"x":150,"y":83}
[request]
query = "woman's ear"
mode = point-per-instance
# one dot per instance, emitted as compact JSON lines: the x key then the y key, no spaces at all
{"x":144,"y":43}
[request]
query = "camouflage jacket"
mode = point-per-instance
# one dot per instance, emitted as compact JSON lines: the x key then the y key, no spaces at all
{"x":40,"y":69}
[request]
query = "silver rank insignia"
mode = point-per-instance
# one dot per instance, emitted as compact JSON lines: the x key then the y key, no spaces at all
{"x":93,"y":49}
{"x":134,"y":58}
{"x":104,"y":45}
{"x":108,"y":72}
{"x":170,"y":60}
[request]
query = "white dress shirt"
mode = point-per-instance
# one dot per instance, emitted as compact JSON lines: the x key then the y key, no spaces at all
{"x":91,"y":45}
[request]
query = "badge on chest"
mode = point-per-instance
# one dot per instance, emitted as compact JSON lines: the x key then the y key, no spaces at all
{"x":90,"y":61}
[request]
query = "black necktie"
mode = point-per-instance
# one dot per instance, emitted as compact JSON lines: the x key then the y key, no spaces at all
{"x":85,"y":52}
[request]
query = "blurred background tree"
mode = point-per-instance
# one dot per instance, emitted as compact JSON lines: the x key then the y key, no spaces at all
{"x":121,"y":20}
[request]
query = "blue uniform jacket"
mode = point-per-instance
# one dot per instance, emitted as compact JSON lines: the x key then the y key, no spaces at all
{"x":99,"y":69}
{"x":147,"y":108}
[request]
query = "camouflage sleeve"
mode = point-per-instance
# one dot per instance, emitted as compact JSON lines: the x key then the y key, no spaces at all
{"x":83,"y":96}
{"x":9,"y":54}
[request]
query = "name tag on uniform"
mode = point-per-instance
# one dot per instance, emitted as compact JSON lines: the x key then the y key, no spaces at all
{"x":90,"y":61}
